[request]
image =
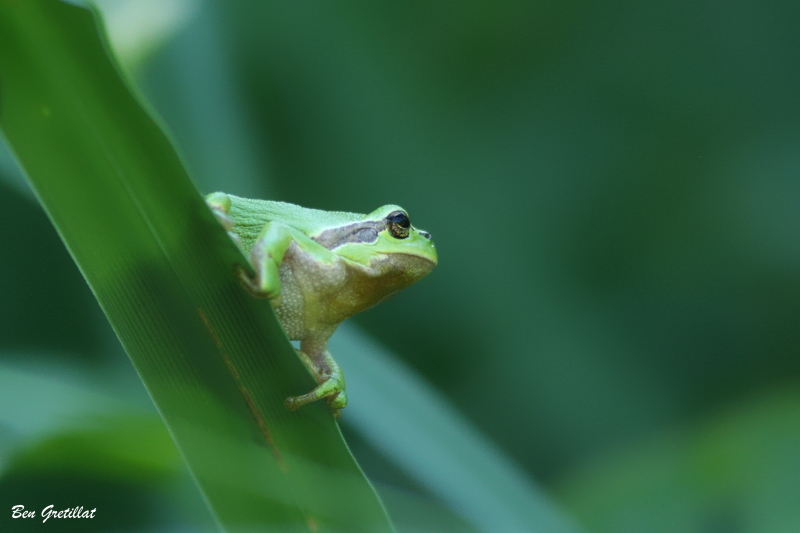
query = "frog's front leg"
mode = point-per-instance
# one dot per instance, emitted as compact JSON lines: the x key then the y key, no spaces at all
{"x":266,"y":257}
{"x":329,"y":376}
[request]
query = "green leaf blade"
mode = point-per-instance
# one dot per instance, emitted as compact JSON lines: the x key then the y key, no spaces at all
{"x":214,"y":360}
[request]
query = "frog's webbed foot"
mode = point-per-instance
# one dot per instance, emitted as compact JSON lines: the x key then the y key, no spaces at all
{"x":331,"y":386}
{"x":332,"y":389}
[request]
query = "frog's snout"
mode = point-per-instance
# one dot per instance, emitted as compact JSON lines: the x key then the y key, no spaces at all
{"x":425,"y":234}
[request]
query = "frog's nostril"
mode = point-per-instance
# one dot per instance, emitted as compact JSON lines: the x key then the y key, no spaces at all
{"x":425,"y":234}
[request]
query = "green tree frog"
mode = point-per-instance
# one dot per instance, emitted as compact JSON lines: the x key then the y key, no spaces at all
{"x":319,"y":268}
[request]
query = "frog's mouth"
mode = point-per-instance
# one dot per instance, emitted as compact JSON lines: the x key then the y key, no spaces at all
{"x":390,"y":274}
{"x":409,"y":267}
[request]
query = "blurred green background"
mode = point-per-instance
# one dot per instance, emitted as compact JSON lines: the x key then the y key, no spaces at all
{"x":614,"y":190}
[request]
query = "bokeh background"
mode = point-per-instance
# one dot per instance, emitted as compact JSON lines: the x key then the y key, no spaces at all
{"x":614,"y":190}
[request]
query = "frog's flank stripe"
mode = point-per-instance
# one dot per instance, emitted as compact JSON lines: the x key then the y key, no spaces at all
{"x":360,"y":232}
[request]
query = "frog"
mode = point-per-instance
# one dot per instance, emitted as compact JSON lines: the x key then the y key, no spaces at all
{"x":318,"y":268}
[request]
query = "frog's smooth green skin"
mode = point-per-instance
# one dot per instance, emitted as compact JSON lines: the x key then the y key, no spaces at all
{"x":319,"y":268}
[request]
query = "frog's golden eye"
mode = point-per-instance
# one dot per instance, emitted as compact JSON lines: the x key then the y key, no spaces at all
{"x":398,"y":224}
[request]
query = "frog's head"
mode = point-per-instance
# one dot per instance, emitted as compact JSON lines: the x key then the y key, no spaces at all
{"x":386,"y":240}
{"x":396,"y":236}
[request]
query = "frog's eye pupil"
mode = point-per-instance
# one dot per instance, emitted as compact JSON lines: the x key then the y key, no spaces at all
{"x":400,"y":218}
{"x":398,"y":224}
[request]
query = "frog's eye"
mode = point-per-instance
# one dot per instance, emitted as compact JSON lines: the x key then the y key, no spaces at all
{"x":398,"y":224}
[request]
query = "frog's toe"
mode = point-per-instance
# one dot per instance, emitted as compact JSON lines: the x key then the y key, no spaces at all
{"x":220,"y":205}
{"x":253,"y":286}
{"x":338,"y":401}
{"x":293,"y":403}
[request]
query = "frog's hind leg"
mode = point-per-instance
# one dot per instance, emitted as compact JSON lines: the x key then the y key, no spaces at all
{"x":331,"y":383}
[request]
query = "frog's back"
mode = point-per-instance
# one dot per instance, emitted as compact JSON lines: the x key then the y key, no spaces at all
{"x":250,"y":216}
